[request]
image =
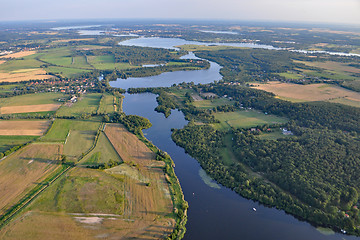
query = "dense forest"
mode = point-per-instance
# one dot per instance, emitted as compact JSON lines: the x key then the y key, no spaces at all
{"x":312,"y":174}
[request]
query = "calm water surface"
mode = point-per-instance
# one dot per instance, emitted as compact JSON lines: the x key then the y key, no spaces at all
{"x":217,"y":213}
{"x":170,"y":43}
{"x":169,"y":78}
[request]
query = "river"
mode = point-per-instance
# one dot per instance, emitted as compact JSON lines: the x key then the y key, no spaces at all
{"x":216,"y":212}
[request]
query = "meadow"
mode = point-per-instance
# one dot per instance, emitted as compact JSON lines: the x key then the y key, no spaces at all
{"x":86,"y":104}
{"x":210,"y":104}
{"x":244,"y":119}
{"x":24,"y":169}
{"x":61,"y":127}
{"x":102,"y":153}
{"x":31,"y":99}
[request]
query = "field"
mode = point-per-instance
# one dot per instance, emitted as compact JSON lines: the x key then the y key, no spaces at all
{"x":107,"y":104}
{"x":86,"y":104}
{"x":78,"y":142}
{"x":31,"y":99}
{"x":7,"y":142}
{"x":312,"y":92}
{"x":130,"y":201}
{"x":30,"y":108}
{"x":30,"y":128}
{"x":330,"y":70}
{"x":107,"y":62}
{"x":332,"y":66}
{"x":102,"y":153}
{"x":209,"y":104}
{"x":149,"y":193}
{"x":291,"y":75}
{"x":61,"y":127}
{"x":24,"y":75}
{"x":22,"y":171}
{"x":245,"y":119}
{"x":19,"y":54}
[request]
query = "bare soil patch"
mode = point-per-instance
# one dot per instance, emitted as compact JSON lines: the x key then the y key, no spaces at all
{"x":29,"y":108}
{"x":30,"y":128}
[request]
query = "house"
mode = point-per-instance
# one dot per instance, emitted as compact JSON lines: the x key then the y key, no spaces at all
{"x":286,"y":132}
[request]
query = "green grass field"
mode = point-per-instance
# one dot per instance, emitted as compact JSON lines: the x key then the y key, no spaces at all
{"x":102,"y":153}
{"x":31,"y":99}
{"x":83,"y":191}
{"x":290,"y":75}
{"x":245,"y":119}
{"x":61,"y":127}
{"x":7,"y":142}
{"x":108,"y":62}
{"x":106,"y":104}
{"x":78,"y":142}
{"x":209,"y":104}
{"x":16,"y":64}
{"x":86,"y":104}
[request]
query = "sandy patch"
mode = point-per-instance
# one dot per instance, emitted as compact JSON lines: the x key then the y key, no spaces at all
{"x":19,"y":54}
{"x":24,"y":75}
{"x":89,"y":220}
{"x":30,"y":128}
{"x":29,"y":108}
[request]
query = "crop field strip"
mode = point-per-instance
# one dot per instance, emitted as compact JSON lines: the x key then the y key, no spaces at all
{"x":29,"y":128}
{"x":312,"y":92}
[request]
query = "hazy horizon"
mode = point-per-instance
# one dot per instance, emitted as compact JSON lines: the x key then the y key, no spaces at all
{"x":316,"y":11}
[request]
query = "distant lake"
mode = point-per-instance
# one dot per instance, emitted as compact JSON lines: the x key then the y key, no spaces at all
{"x":103,"y":32}
{"x":170,"y":43}
{"x":219,"y":32}
{"x":74,"y":27}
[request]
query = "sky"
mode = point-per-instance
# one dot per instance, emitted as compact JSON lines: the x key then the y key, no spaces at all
{"x":317,"y":11}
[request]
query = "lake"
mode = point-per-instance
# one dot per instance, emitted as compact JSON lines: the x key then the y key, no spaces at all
{"x":169,"y":78}
{"x":170,"y":43}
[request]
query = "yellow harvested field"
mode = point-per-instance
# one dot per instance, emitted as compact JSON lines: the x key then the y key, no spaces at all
{"x":24,"y":75}
{"x":2,"y":61}
{"x":310,"y":92}
{"x":24,"y":169}
{"x":29,"y":128}
{"x":147,"y":203}
{"x":19,"y":54}
{"x":29,"y":108}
